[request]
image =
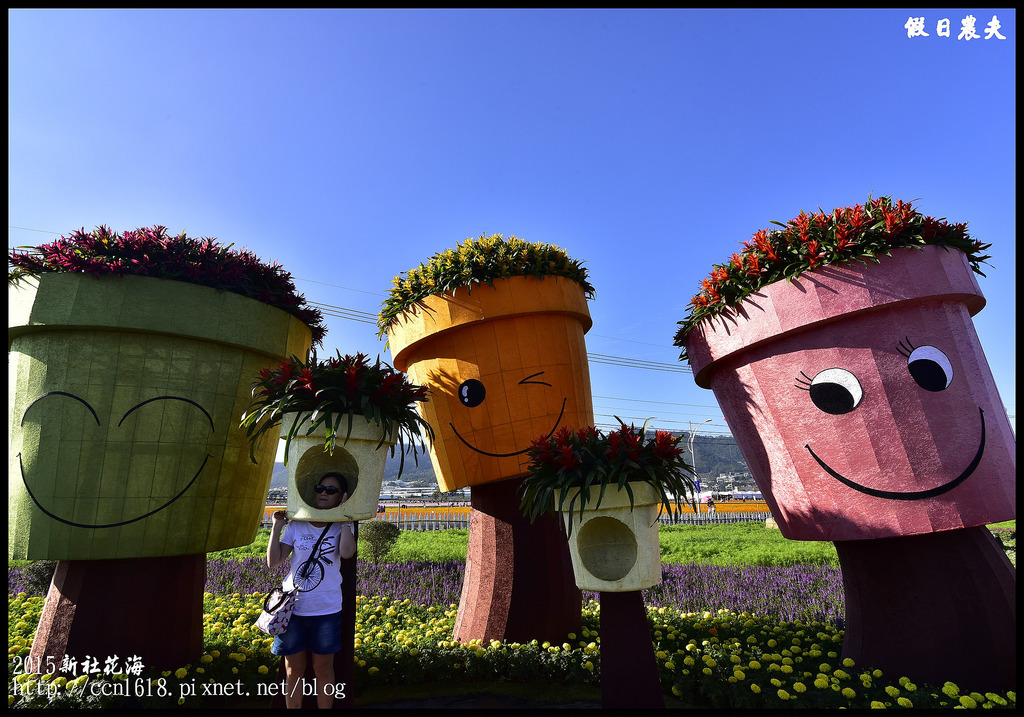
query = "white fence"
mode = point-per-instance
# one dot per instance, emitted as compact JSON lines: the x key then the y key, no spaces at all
{"x":429,"y":521}
{"x":444,"y":521}
{"x":713,"y":518}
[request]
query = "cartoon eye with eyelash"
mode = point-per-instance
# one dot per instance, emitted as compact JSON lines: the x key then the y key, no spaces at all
{"x":834,"y":390}
{"x":928,"y":366}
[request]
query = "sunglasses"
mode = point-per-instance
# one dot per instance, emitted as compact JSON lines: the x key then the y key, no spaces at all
{"x":328,"y":489}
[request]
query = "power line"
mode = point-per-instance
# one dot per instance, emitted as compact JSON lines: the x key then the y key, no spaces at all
{"x":637,"y":363}
{"x":341,"y":312}
{"x":26,"y":229}
{"x":367,"y":317}
{"x":631,"y":341}
{"x":663,"y":403}
{"x":339,"y":286}
{"x":659,"y":414}
{"x":659,"y":418}
{"x":709,"y":437}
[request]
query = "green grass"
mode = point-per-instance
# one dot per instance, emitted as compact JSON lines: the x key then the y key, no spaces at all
{"x":437,"y":545}
{"x":730,"y":544}
{"x":735,"y":544}
{"x":740,"y":544}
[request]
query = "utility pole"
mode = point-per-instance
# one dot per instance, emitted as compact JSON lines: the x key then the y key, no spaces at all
{"x":693,"y":461}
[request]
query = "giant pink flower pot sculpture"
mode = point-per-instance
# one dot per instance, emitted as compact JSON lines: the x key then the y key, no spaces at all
{"x":863,"y":404}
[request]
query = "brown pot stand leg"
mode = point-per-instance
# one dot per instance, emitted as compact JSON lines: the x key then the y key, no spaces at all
{"x":629,"y":672}
{"x":519,"y":583}
{"x":933,"y":607}
{"x":151,"y":608}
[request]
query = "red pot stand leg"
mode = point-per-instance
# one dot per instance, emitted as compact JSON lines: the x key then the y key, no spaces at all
{"x":629,"y":672}
{"x":151,"y":608}
{"x":518,"y":583}
{"x":935,"y":607}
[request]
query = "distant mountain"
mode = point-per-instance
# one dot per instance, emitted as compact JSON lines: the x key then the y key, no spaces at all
{"x":715,"y":455}
{"x":279,"y":478}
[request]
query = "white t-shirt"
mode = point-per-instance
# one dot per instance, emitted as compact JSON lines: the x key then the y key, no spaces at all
{"x":320,"y":584}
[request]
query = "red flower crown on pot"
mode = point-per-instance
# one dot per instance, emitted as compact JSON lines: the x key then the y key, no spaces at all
{"x":861,"y":233}
{"x":588,"y":458}
{"x":150,"y":251}
{"x":332,"y":394}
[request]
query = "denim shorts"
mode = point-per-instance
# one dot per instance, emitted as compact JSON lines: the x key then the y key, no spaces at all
{"x":320,"y":634}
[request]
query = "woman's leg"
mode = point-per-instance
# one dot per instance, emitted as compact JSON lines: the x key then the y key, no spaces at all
{"x":295,"y":667}
{"x":323,"y":668}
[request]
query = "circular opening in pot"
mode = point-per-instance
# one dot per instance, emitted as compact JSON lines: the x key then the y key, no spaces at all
{"x":315,"y":462}
{"x":607,"y":548}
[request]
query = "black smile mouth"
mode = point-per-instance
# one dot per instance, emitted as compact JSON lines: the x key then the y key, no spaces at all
{"x":108,"y":525}
{"x":513,"y":453}
{"x":910,"y":495}
{"x":24,"y":480}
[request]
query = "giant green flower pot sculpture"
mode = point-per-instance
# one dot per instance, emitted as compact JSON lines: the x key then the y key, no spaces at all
{"x":125,"y":397}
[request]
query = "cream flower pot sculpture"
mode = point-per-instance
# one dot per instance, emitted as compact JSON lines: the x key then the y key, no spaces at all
{"x":610,"y":490}
{"x":341,"y":415}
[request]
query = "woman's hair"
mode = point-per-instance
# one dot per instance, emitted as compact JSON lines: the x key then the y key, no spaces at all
{"x":342,"y":481}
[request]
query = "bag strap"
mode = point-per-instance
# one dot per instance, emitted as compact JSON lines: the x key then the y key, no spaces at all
{"x":321,"y":538}
{"x":267,"y":607}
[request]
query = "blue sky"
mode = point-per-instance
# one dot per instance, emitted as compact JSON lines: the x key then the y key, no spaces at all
{"x":351,"y":145}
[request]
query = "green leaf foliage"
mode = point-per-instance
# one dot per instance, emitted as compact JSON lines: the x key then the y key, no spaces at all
{"x":587,"y":458}
{"x":330,"y":394}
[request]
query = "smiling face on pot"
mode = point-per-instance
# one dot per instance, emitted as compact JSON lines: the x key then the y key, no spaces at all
{"x":495,"y":387}
{"x":128,"y":446}
{"x":886,"y":423}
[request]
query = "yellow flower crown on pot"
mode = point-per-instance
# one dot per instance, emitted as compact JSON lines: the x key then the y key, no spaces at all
{"x":860,"y":233}
{"x":478,"y":261}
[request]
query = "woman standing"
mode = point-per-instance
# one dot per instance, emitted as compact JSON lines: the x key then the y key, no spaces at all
{"x":316,"y":570}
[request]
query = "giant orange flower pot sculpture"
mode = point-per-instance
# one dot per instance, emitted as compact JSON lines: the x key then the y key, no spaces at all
{"x":504,"y":359}
{"x":860,"y":397}
{"x":505,"y":364}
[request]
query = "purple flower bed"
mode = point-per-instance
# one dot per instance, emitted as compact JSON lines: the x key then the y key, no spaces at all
{"x":245,"y":576}
{"x":427,"y":583}
{"x":801,"y":592}
{"x":423,"y":583}
{"x":15,"y":584}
